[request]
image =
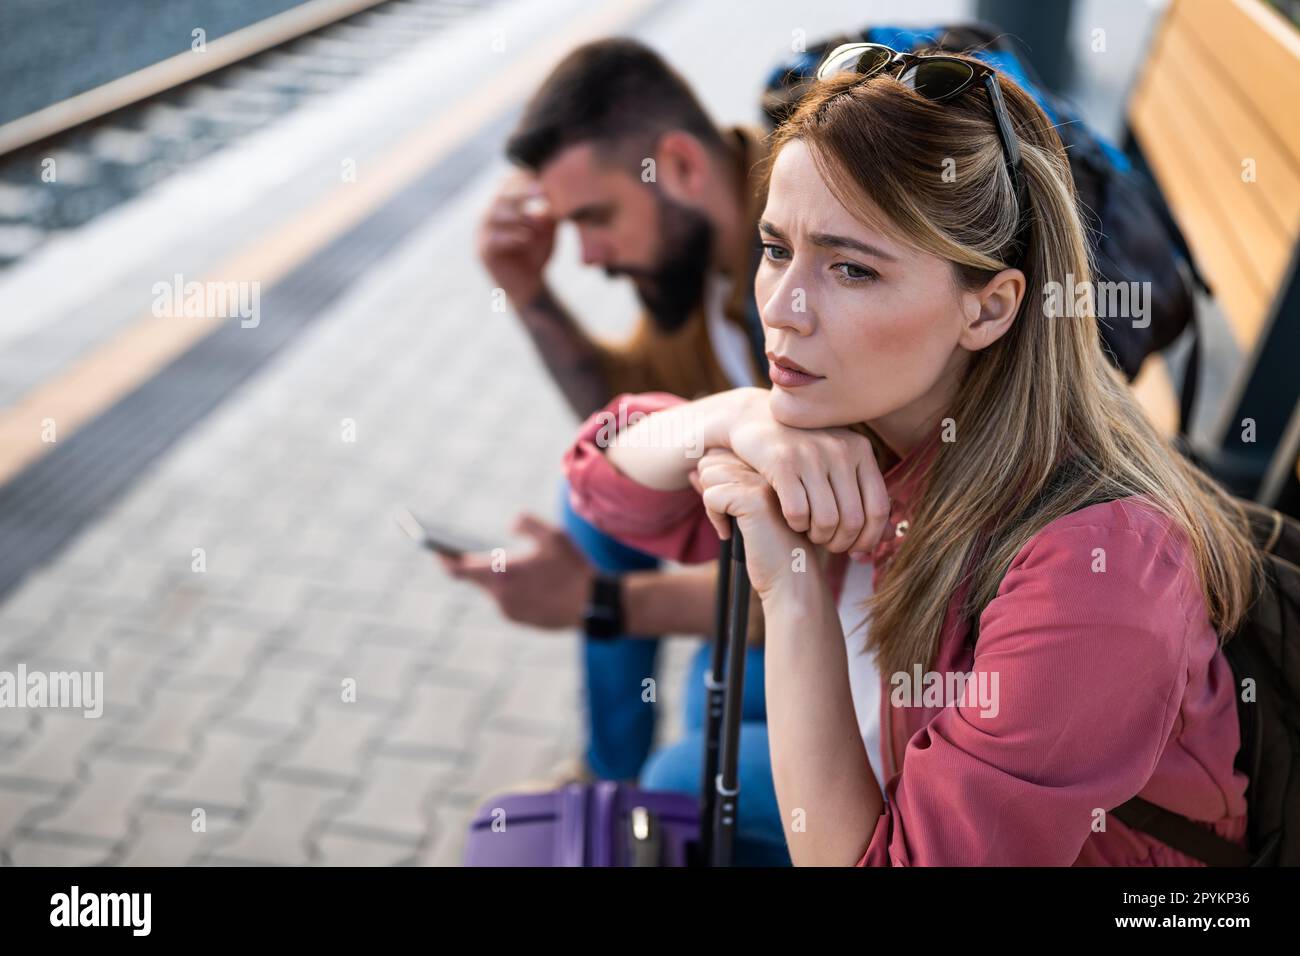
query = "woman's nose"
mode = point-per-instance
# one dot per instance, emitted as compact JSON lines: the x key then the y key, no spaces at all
{"x":788,"y":307}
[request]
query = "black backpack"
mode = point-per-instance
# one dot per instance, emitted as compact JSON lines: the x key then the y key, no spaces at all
{"x":1132,"y":235}
{"x":1265,"y":651}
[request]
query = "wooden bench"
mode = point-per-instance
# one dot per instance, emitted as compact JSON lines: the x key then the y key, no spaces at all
{"x":1213,"y":116}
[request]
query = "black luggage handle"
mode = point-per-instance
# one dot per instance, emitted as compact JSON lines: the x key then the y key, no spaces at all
{"x":720,"y":784}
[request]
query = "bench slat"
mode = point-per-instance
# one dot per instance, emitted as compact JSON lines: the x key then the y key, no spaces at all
{"x":1259,"y":51}
{"x":1221,"y":256}
{"x":1260,"y":244}
{"x":1239,"y":134}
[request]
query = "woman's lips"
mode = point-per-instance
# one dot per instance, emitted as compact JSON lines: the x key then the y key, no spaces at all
{"x":788,"y":376}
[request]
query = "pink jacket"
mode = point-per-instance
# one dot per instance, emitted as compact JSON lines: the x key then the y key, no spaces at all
{"x":1110,"y":684}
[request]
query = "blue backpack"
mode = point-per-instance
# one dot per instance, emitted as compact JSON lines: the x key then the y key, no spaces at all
{"x":1132,"y":235}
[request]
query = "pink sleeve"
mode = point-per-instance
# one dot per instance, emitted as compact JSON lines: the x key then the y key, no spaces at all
{"x":1085,"y":669}
{"x":667,"y":524}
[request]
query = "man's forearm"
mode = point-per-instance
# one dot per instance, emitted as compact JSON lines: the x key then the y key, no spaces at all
{"x":680,"y":602}
{"x":571,"y":357}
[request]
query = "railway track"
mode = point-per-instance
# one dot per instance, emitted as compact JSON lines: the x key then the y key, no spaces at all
{"x":66,"y":164}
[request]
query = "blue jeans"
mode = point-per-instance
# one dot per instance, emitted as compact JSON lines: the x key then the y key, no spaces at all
{"x":620,"y":725}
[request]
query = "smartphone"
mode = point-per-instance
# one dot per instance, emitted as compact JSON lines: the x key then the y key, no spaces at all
{"x":437,"y":540}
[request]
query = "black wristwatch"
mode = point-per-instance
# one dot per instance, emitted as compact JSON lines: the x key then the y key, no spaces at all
{"x":602,"y":618}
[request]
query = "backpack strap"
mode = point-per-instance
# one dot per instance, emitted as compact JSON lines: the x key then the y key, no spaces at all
{"x":1180,"y":833}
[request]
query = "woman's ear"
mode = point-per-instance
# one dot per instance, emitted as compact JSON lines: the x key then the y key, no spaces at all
{"x":989,"y":311}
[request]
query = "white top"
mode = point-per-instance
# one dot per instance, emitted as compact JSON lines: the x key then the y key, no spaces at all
{"x":864,"y":678}
{"x":730,"y":346}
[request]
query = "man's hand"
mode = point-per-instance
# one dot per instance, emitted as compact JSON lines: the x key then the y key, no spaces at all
{"x":547,"y":587}
{"x":516,"y":238}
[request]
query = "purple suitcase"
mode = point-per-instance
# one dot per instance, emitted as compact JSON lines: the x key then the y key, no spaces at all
{"x":611,"y":824}
{"x":600,"y":824}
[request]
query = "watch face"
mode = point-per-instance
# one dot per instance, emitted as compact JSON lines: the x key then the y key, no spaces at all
{"x":600,"y":621}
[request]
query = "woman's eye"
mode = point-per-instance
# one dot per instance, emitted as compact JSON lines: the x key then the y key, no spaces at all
{"x":775,"y":253}
{"x":854,"y":273}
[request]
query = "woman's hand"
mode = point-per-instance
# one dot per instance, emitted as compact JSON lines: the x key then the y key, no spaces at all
{"x":826,"y":479}
{"x":730,"y":487}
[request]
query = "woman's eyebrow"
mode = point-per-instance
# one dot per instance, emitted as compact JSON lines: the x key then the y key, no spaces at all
{"x":846,"y":242}
{"x":831,"y":241}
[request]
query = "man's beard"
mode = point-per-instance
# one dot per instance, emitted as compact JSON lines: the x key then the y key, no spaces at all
{"x":674,"y":288}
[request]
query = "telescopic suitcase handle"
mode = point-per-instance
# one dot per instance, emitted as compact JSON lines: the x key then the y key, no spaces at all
{"x":720,"y":784}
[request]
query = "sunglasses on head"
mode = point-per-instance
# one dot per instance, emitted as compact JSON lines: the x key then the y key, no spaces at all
{"x":938,"y":78}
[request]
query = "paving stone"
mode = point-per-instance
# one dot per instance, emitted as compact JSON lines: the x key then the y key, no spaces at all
{"x":500,"y":761}
{"x":228,"y":652}
{"x":477,"y":656}
{"x":45,"y":853}
{"x":276,"y":832}
{"x":447,"y":848}
{"x":382,"y":671}
{"x":78,"y":637}
{"x":101,"y":808}
{"x":53,"y":753}
{"x":280,"y":595}
{"x":327,"y":633}
{"x":221,"y":776}
{"x":424,"y":611}
{"x":334,"y":746}
{"x":16,"y":637}
{"x":129,"y":582}
{"x":15,"y":805}
{"x":131,"y":676}
{"x":394,"y":800}
{"x":277,"y":700}
{"x":38,"y":599}
{"x":538,"y":700}
{"x":439,"y":718}
{"x":174,"y":717}
{"x":162,"y":838}
{"x":344,"y":849}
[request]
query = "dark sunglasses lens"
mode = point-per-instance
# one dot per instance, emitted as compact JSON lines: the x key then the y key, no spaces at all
{"x":862,"y":60}
{"x":938,"y":79}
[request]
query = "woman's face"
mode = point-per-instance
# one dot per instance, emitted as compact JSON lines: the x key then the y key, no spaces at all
{"x":858,"y":327}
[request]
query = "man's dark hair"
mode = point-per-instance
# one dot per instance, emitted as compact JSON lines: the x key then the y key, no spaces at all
{"x":617,"y":94}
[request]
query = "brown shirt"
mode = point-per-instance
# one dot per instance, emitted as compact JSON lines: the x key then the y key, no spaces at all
{"x":683,"y":361}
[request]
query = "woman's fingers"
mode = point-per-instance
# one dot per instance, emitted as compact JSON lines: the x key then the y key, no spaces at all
{"x":824,"y":514}
{"x":719,"y":521}
{"x":837,"y":496}
{"x":852,"y":508}
{"x":875,"y":498}
{"x":732,"y":499}
{"x":794,"y":501}
{"x":718,"y":478}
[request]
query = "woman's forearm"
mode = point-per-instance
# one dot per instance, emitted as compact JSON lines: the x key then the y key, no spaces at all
{"x":661,"y":450}
{"x":829,"y":798}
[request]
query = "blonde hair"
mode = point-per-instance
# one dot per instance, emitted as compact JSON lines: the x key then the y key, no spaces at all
{"x":1042,"y":395}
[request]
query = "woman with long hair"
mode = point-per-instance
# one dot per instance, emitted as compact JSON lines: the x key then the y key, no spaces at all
{"x":993,"y":595}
